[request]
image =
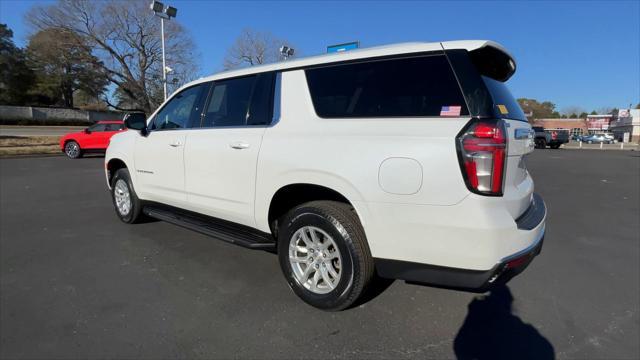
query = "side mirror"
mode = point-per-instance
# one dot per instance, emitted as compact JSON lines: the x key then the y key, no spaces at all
{"x":136,"y":121}
{"x":87,"y":131}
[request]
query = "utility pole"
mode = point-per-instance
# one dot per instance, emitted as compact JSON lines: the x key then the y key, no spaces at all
{"x":163,"y":12}
{"x":164,"y":64}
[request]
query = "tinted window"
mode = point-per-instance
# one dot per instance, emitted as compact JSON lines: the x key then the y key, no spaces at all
{"x":506,"y":105}
{"x":419,"y":86}
{"x":97,"y":127}
{"x":261,"y":108}
{"x":114,"y":127}
{"x":229,"y":102}
{"x":176,"y":114}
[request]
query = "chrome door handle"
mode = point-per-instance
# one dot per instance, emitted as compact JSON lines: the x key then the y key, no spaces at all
{"x":239,"y":145}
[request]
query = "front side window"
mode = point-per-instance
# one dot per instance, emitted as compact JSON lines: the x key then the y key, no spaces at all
{"x":229,"y":102}
{"x":97,"y":127}
{"x":114,"y":127}
{"x":177,"y":113}
{"x":408,"y":87}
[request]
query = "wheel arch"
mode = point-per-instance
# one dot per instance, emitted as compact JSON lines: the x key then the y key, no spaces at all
{"x":293,"y":194}
{"x":68,"y":140}
{"x":113,"y":165}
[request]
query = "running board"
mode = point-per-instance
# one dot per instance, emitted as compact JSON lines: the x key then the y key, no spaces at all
{"x":222,"y":230}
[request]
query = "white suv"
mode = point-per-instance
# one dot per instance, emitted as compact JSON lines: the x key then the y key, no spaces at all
{"x":402,"y":161}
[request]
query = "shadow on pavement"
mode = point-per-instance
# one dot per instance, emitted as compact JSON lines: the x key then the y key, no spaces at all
{"x":491,"y":331}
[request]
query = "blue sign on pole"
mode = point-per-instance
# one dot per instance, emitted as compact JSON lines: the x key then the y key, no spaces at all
{"x":343,"y":47}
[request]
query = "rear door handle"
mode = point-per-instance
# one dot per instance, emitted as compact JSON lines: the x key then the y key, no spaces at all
{"x":239,"y":145}
{"x":176,"y":143}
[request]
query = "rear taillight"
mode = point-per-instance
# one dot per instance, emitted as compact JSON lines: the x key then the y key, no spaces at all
{"x":482,"y":149}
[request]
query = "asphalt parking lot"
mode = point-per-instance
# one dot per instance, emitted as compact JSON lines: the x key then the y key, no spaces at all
{"x":77,"y":283}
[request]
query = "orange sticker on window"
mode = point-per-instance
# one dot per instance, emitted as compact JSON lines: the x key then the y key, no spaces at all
{"x":503,"y":109}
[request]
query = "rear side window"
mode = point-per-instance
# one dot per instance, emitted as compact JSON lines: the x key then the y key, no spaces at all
{"x":261,"y":108}
{"x":229,"y":102}
{"x":408,"y":87}
{"x":506,"y":106}
{"x":242,"y":101}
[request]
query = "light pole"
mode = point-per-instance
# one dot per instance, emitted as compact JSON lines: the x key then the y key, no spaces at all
{"x":286,"y":52}
{"x":163,"y":12}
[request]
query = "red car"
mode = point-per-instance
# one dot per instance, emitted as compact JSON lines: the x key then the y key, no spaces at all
{"x":92,"y":139}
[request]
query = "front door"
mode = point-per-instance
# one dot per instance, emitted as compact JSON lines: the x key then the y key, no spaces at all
{"x":159,"y":156}
{"x":95,"y":137}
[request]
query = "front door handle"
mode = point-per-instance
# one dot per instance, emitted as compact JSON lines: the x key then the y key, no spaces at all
{"x":239,"y":145}
{"x":176,"y":143}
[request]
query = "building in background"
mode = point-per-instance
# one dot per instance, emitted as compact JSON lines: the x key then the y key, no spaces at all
{"x":573,"y":126}
{"x":627,"y":126}
{"x":598,"y":124}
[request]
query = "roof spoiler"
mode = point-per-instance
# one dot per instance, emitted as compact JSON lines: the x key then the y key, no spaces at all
{"x":490,"y":58}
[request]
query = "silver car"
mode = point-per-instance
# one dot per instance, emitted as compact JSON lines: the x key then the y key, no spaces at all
{"x":598,"y":138}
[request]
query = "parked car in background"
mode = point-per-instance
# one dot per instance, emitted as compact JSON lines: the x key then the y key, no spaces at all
{"x":576,"y":137}
{"x":95,"y":138}
{"x":598,"y":138}
{"x":552,"y":138}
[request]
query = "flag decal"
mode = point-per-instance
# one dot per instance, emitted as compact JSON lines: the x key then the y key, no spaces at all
{"x":450,"y":110}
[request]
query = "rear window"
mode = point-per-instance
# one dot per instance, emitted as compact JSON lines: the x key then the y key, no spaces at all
{"x":408,"y":87}
{"x":505,"y":105}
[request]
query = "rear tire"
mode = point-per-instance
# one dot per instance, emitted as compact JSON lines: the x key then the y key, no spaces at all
{"x":72,"y":150}
{"x":125,"y":201}
{"x":541,"y":143}
{"x":324,"y":255}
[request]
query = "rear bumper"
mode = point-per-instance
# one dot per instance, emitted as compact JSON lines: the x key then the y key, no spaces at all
{"x":474,"y":280}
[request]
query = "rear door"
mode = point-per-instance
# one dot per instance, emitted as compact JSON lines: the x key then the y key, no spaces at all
{"x":221,"y":156}
{"x":482,"y":74}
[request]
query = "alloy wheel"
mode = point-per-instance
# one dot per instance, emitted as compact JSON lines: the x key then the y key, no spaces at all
{"x":123,"y":197}
{"x":315,"y":259}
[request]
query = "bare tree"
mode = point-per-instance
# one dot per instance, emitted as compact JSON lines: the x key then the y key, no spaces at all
{"x":254,"y":48}
{"x":125,"y":38}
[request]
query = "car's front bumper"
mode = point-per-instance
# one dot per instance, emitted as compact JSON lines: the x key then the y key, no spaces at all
{"x":532,"y":220}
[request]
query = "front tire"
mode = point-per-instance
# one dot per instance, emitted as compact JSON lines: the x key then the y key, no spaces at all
{"x":324,"y":255}
{"x":125,"y":201}
{"x":72,"y":150}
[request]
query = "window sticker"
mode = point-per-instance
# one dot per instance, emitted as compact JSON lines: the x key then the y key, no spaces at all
{"x":503,"y":109}
{"x":450,"y":110}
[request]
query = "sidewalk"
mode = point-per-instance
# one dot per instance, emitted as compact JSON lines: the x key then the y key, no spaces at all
{"x":616,"y":146}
